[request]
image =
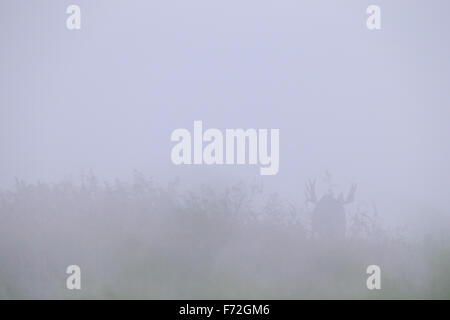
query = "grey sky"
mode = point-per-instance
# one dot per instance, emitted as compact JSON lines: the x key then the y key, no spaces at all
{"x":370,"y":107}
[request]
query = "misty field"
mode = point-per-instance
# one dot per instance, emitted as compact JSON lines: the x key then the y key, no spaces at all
{"x":141,"y":240}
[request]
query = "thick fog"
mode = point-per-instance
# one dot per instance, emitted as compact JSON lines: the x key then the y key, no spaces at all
{"x":352,"y":106}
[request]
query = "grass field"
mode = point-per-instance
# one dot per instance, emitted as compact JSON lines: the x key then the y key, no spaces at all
{"x":140,"y":240}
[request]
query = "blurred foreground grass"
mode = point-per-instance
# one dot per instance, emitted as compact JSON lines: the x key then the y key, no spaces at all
{"x":143,"y":241}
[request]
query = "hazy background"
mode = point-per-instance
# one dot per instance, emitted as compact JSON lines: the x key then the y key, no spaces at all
{"x":371,"y":107}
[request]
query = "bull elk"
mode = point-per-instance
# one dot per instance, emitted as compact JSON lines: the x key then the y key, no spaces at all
{"x":328,"y":216}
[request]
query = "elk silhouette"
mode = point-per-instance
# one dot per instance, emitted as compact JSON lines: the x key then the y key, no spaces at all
{"x":328,"y":216}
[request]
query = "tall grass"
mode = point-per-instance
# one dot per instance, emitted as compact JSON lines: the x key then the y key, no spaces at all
{"x":141,"y":240}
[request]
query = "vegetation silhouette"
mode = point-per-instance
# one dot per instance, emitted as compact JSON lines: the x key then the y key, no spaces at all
{"x":143,"y":240}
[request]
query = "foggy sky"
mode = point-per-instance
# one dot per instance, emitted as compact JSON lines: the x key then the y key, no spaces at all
{"x":372,"y":107}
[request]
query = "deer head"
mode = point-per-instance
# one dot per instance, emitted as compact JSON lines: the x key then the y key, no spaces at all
{"x":310,"y":193}
{"x":350,"y":195}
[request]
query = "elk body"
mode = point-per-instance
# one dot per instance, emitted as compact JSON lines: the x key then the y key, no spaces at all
{"x":328,"y":216}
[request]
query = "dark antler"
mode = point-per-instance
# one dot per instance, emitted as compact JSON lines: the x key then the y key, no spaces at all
{"x":310,"y":191}
{"x":351,"y":194}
